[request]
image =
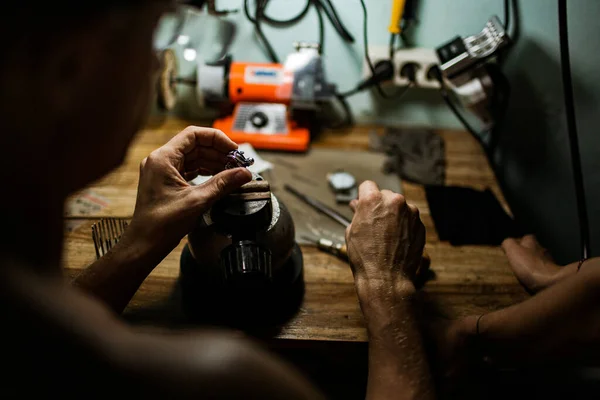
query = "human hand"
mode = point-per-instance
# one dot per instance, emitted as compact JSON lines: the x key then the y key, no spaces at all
{"x":532,"y":264}
{"x":167,"y":207}
{"x":385,"y":244}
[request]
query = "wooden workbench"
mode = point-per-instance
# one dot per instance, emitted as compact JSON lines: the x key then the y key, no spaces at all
{"x":469,"y":279}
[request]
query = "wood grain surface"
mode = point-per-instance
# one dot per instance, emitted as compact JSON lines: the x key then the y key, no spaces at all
{"x":468,"y":279}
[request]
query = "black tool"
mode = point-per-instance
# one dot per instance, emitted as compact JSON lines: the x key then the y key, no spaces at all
{"x":242,"y":266}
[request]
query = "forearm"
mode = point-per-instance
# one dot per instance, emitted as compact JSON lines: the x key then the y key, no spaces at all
{"x":561,"y":322}
{"x":116,"y":277}
{"x":397,"y":362}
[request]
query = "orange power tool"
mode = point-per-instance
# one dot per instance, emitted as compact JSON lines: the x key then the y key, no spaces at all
{"x":262,"y":94}
{"x":267,"y":97}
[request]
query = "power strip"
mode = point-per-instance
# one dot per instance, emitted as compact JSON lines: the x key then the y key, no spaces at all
{"x":423,"y":58}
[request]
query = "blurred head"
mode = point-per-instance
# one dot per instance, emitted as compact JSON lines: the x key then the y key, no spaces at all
{"x":75,"y":85}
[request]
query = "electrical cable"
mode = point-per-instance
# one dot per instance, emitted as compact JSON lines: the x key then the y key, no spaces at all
{"x":321,"y":27}
{"x":437,"y":73}
{"x":584,"y":230}
{"x":260,"y":6}
{"x":349,"y":119}
{"x":382,"y":93}
{"x":333,"y":16}
{"x":506,"y":15}
{"x":291,"y":20}
{"x":391,"y":45}
{"x":320,"y":6}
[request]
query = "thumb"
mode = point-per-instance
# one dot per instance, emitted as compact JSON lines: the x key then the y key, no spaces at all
{"x":508,"y":244}
{"x":221,"y":185}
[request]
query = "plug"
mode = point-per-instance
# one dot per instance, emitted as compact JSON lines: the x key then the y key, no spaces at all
{"x":409,"y":71}
{"x":434,"y":73}
{"x":383,"y":71}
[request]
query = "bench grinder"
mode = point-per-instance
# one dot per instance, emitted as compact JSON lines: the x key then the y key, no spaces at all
{"x":242,"y":266}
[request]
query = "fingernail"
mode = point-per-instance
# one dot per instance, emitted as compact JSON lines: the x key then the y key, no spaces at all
{"x":243,"y":173}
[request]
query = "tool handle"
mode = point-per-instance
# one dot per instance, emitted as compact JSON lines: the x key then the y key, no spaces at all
{"x":396,"y":17}
{"x":343,"y":252}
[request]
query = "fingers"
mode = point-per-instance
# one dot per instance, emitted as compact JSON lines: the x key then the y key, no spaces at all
{"x":367,"y":190}
{"x":353,"y":204}
{"x":221,"y":185}
{"x":206,"y":153}
{"x":193,"y":136}
{"x":530,"y":242}
{"x":209,"y":137}
{"x":508,"y":244}
{"x":212,"y":166}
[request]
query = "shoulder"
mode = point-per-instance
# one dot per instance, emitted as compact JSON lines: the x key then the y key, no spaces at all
{"x":69,"y":341}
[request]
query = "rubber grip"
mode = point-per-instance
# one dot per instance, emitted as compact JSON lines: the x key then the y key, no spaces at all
{"x":396,"y":17}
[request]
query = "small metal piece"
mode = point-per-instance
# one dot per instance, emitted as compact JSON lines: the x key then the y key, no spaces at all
{"x":212,"y":9}
{"x":337,"y":249}
{"x":236,"y":159}
{"x":343,"y":185}
{"x":317,"y":205}
{"x":106,"y":233}
{"x":460,"y":55}
{"x":306,"y":45}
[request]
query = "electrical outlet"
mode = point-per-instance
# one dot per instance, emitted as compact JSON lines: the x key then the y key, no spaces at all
{"x":423,"y":58}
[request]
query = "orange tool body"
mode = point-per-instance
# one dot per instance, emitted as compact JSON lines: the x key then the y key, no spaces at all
{"x":262,"y":91}
{"x":273,"y":103}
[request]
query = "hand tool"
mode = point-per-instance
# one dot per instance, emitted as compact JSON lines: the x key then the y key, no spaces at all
{"x":106,"y":233}
{"x":317,"y":205}
{"x":242,"y":266}
{"x":337,"y":249}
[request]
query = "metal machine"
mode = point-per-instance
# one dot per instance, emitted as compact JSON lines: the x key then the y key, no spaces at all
{"x":270,"y":100}
{"x":242,"y":266}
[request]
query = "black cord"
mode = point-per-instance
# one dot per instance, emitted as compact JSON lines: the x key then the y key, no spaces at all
{"x":349,"y":92}
{"x":289,"y":21}
{"x":349,"y":119}
{"x":333,"y":16}
{"x":506,"y":15}
{"x":320,"y":6}
{"x":382,"y":93}
{"x":454,"y":109}
{"x":259,"y":11}
{"x":321,"y":26}
{"x":584,"y":230}
{"x":391,"y":46}
{"x":448,"y":100}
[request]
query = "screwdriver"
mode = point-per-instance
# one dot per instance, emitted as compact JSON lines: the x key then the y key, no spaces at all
{"x":337,"y":249}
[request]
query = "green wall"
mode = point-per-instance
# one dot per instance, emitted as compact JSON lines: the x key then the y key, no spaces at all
{"x":439,"y":21}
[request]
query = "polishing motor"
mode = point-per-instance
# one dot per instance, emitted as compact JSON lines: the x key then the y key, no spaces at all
{"x":267,"y":96}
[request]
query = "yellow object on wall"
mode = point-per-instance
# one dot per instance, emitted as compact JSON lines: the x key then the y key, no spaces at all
{"x":396,"y":17}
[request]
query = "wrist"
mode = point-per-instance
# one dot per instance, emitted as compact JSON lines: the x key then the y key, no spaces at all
{"x":373,"y":291}
{"x":133,"y":248}
{"x":385,"y":303}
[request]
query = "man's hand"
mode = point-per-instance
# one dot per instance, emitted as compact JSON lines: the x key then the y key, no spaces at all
{"x":385,"y":242}
{"x":167,"y":207}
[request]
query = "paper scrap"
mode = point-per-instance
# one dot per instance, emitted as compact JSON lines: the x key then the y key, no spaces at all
{"x":84,"y":203}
